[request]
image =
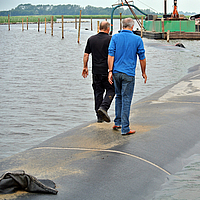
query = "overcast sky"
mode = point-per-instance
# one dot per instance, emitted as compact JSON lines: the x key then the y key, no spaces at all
{"x":157,"y":5}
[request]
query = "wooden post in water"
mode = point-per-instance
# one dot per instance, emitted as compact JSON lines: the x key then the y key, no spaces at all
{"x":120,"y":21}
{"x":163,"y":28}
{"x":27,"y":23}
{"x":38,"y":24}
{"x":79,"y":29}
{"x":51,"y":25}
{"x":97,"y":26}
{"x":22,"y":24}
{"x":91,"y":25}
{"x":75,"y":22}
{"x":62,"y":27}
{"x":45,"y":21}
{"x":9,"y":22}
{"x":141,"y":26}
{"x":168,"y":32}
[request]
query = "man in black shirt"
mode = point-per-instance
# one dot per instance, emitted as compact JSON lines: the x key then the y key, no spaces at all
{"x":98,"y":46}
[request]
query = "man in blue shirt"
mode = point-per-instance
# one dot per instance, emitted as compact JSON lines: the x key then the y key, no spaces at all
{"x":122,"y":59}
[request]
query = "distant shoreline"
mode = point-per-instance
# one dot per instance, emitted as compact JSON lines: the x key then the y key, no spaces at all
{"x":48,"y":22}
{"x":34,"y":19}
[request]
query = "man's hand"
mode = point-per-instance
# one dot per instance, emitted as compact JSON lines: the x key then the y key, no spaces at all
{"x":144,"y":77}
{"x":143,"y":68}
{"x":110,"y":78}
{"x":110,"y":67}
{"x":85,"y":72}
{"x":85,"y":67}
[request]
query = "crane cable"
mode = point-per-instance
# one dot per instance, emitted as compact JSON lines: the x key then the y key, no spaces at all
{"x":148,"y":6}
{"x":136,"y":18}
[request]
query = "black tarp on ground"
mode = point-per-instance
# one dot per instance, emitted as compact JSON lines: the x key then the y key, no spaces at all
{"x":11,"y":182}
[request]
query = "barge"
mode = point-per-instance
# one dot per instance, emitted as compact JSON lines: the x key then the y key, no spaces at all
{"x":172,"y":26}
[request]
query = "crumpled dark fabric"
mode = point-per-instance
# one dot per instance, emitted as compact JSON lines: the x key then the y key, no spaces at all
{"x":11,"y":182}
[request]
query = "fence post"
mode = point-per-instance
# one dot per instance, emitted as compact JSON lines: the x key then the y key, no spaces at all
{"x":120,"y":21}
{"x":9,"y":22}
{"x":163,"y":28}
{"x":91,"y":24}
{"x":75,"y":22}
{"x":141,"y":26}
{"x":22,"y":24}
{"x":79,"y":29}
{"x":27,"y":23}
{"x":38,"y":24}
{"x":62,"y":27}
{"x":97,"y":26}
{"x":52,"y":25}
{"x":168,"y":32}
{"x":45,"y":21}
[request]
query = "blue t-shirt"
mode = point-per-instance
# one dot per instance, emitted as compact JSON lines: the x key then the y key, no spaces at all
{"x":125,"y":46}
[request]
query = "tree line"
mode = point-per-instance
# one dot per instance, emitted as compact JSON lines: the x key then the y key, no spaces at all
{"x":29,"y":9}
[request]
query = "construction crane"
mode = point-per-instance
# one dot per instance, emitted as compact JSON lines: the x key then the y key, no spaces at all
{"x":135,"y":16}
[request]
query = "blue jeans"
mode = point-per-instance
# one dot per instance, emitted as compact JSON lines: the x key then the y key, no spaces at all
{"x":124,"y":87}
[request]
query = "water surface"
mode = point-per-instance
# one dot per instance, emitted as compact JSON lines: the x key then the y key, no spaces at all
{"x":43,"y":93}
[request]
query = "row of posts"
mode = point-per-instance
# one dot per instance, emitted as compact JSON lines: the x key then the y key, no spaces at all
{"x":75,"y":25}
{"x":38,"y":24}
{"x":52,"y":25}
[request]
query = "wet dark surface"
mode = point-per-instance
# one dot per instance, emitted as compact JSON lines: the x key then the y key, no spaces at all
{"x":92,"y":161}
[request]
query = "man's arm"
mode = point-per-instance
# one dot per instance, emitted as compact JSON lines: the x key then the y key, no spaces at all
{"x":143,"y":68}
{"x":85,"y":63}
{"x":110,"y":67}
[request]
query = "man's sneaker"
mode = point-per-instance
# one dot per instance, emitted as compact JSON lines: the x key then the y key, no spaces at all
{"x":103,"y":114}
{"x":130,"y":132}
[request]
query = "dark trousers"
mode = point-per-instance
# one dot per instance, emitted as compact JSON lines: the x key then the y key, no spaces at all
{"x":100,"y":86}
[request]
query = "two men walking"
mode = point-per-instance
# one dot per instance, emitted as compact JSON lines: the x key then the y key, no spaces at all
{"x":123,"y":50}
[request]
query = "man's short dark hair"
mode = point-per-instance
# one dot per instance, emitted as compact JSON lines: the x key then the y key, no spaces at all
{"x":127,"y":23}
{"x":104,"y":25}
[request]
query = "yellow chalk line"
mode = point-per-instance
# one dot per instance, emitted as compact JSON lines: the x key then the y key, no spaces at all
{"x":106,"y":150}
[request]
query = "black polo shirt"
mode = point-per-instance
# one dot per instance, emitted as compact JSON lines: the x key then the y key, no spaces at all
{"x":98,"y":45}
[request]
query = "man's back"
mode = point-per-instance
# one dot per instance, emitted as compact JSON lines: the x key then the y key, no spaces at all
{"x":103,"y":91}
{"x":98,"y":46}
{"x":125,"y":46}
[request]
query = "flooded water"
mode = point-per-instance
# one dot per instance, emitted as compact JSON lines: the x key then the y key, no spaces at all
{"x":184,"y":184}
{"x":43,"y":93}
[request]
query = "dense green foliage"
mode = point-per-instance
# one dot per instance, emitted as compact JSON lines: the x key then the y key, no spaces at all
{"x":28,"y":9}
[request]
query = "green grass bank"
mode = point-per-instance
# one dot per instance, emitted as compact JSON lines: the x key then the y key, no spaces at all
{"x":34,"y":19}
